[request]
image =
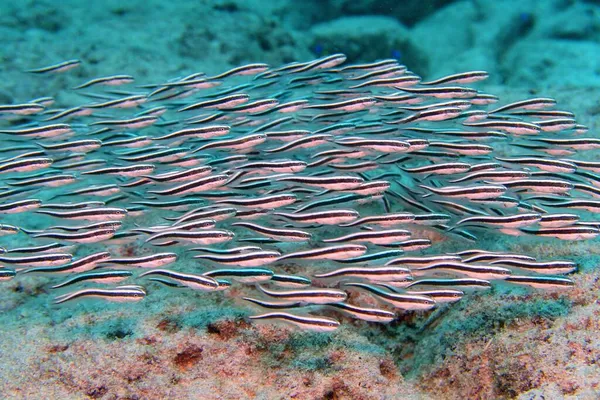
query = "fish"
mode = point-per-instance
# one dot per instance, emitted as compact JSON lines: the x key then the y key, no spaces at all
{"x":373,"y":274}
{"x":129,"y":123}
{"x":461,"y":283}
{"x":151,"y":261}
{"x":331,"y":183}
{"x":264,"y":202}
{"x":402,"y":301}
{"x":20,"y":206}
{"x":195,"y":186}
{"x":26,"y":165}
{"x":375,"y":237}
{"x":125,"y":102}
{"x":91,"y":236}
{"x":246,"y":259}
{"x":199,"y":237}
{"x":113,"y":80}
{"x":114,"y":276}
{"x":317,"y":324}
{"x":301,"y":143}
{"x":245,"y":275}
{"x":129,"y":171}
{"x":220,"y":103}
{"x":22,"y":109}
{"x":565,"y":232}
{"x":249,"y":69}
{"x":397,"y":82}
{"x":119,"y":294}
{"x":115,"y":225}
{"x":549,"y":165}
{"x":43,"y":260}
{"x":469,"y":192}
{"x":485,"y":272}
{"x":292,"y":235}
{"x":307,"y":296}
{"x":504,"y":221}
{"x":530,"y":104}
{"x":463,"y":77}
{"x":440,"y":169}
{"x":334,"y":217}
{"x":329,"y":61}
{"x":340,"y":252}
{"x":371,"y":257}
{"x":206,"y":132}
{"x":275,"y":305}
{"x":57,"y":68}
{"x":90,"y":214}
{"x":34,"y":249}
{"x":440,"y":295}
{"x":547,"y":267}
{"x":82,"y":264}
{"x":7,"y":274}
{"x":364,"y":313}
{"x":193,"y":281}
{"x":543,"y":282}
{"x":314,"y":179}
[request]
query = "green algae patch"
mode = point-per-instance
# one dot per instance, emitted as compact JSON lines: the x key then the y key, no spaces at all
{"x":474,"y":321}
{"x":309,"y":362}
{"x":200,"y":317}
{"x":309,"y":340}
{"x":418,"y":342}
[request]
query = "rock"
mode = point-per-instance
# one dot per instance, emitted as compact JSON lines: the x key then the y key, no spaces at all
{"x":448,"y":37}
{"x":578,"y":22}
{"x":536,"y":63}
{"x":407,"y":12}
{"x":368,"y":38}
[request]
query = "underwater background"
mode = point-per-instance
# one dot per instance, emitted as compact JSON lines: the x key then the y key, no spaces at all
{"x":506,"y":342}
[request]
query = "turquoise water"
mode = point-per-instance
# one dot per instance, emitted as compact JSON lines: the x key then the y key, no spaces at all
{"x":251,"y":134}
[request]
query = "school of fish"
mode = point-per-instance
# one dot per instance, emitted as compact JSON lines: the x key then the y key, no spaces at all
{"x":312,"y":184}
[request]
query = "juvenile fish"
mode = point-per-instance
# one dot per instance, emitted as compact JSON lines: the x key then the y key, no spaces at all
{"x":364,"y":313}
{"x":196,"y":282}
{"x":113,"y":80}
{"x":92,"y":214}
{"x":96,"y":277}
{"x":244,"y":275}
{"x":373,"y":274}
{"x":57,"y":68}
{"x":83,"y":264}
{"x":469,"y":192}
{"x":250,"y":259}
{"x":7,"y":274}
{"x":119,"y":294}
{"x":91,"y":236}
{"x":265,"y":202}
{"x":375,"y":237}
{"x":542,"y":282}
{"x":199,"y":237}
{"x":151,"y":261}
{"x":340,"y":252}
{"x":307,"y":296}
{"x":474,"y":271}
{"x":333,"y":217}
{"x":43,"y":260}
{"x":403,"y":301}
{"x":318,"y":324}
{"x":293,"y":235}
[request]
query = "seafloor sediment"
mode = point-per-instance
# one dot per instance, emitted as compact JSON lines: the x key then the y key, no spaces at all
{"x":492,"y":345}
